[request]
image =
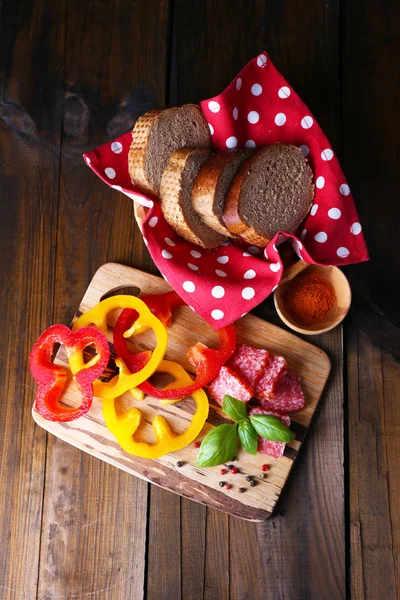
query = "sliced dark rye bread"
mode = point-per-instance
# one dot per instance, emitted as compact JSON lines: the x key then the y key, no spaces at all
{"x":212,"y":184}
{"x":272,"y":191}
{"x":157,"y":134}
{"x":176,"y":198}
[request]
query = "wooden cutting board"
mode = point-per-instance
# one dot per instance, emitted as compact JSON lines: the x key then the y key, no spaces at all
{"x":90,"y":434}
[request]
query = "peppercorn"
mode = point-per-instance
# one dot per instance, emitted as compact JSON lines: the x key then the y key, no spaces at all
{"x":252,"y":483}
{"x":234,"y":470}
{"x":230,"y":467}
{"x":221,"y":483}
{"x":241,"y":490}
{"x":264,"y":468}
{"x":196,"y":444}
{"x":222,"y":471}
{"x":249,"y":478}
{"x":228,"y":487}
{"x":263,"y":475}
{"x":234,"y":458}
{"x":179,"y":464}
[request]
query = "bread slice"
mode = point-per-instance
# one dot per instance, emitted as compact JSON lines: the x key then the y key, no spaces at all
{"x":212,"y":184}
{"x":272,"y":191}
{"x":176,"y":198}
{"x":157,"y":134}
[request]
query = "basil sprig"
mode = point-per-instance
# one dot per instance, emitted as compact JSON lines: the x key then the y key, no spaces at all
{"x":235,"y":409}
{"x":221,"y":443}
{"x":248,"y":436}
{"x":271,"y":428}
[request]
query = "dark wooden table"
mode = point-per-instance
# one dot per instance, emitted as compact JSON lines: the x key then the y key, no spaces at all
{"x":76,"y":73}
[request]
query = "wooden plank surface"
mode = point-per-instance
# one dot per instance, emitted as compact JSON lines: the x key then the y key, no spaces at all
{"x":90,"y":433}
{"x":94,"y":518}
{"x":371,"y":46}
{"x":30,"y":111}
{"x":343,"y":62}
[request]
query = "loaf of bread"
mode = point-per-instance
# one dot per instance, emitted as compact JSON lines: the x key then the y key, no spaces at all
{"x":176,"y":198}
{"x":157,"y":134}
{"x":212,"y":184}
{"x":272,"y":191}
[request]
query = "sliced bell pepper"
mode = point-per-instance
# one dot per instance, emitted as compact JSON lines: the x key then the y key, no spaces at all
{"x":126,"y":380}
{"x":208,"y":361}
{"x":52,"y":378}
{"x":123,"y":426}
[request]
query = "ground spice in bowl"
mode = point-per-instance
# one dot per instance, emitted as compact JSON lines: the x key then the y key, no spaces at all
{"x":309,"y":298}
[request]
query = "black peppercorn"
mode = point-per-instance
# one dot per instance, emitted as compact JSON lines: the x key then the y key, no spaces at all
{"x":221,"y":483}
{"x":241,"y":490}
{"x":249,"y":478}
{"x":230,"y":467}
{"x":252,"y":483}
{"x":179,"y":464}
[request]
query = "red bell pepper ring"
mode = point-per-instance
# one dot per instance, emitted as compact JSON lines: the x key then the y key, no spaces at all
{"x":208,"y":361}
{"x":162,"y":307}
{"x":52,"y":378}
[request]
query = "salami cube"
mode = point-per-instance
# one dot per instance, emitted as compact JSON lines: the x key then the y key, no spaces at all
{"x":229,"y":382}
{"x":274,"y":449}
{"x":249,"y":363}
{"x":288,"y":395}
{"x":272,"y":374}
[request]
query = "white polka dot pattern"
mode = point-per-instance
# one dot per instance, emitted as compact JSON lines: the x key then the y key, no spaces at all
{"x":284,"y":92}
{"x":189,"y":286}
{"x":258,"y":109}
{"x":231,"y":142}
{"x":218,"y":291}
{"x":110,"y":172}
{"x":248,"y":293}
{"x":256,"y":89}
{"x":356,"y":228}
{"x":253,"y":117}
{"x":116,"y":147}
{"x":217,"y":314}
{"x":280,"y":119}
{"x":214,"y":106}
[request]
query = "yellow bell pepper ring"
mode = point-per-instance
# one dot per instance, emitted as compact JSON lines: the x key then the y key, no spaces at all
{"x":146,"y":320}
{"x":124,"y":426}
{"x":180,"y":379}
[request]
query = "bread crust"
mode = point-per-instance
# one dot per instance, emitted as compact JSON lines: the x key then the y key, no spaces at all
{"x":138,"y":150}
{"x":204,"y":190}
{"x":231,"y":216}
{"x":170,"y":205}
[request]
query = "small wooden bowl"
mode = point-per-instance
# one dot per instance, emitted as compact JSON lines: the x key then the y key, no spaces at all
{"x":335,"y":315}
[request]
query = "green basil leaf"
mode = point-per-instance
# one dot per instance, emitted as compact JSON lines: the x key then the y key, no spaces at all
{"x":219,"y":445}
{"x":235,"y":409}
{"x":247,"y":436}
{"x":271,"y":428}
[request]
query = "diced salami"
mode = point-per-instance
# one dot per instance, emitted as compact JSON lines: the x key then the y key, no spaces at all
{"x":249,"y":363}
{"x":268,"y":382}
{"x":288,"y":395}
{"x":274,"y":449}
{"x":228,"y":382}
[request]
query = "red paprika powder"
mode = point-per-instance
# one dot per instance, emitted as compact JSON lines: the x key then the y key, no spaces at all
{"x":308,"y":298}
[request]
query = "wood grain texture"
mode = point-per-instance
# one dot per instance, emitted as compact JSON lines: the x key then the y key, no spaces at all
{"x":374,"y":420}
{"x":94,"y":520}
{"x":371,"y":48}
{"x":90,"y":433}
{"x":299,"y":551}
{"x":31,"y":71}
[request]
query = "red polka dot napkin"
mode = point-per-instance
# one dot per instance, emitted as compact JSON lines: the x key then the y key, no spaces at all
{"x":258,"y":108}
